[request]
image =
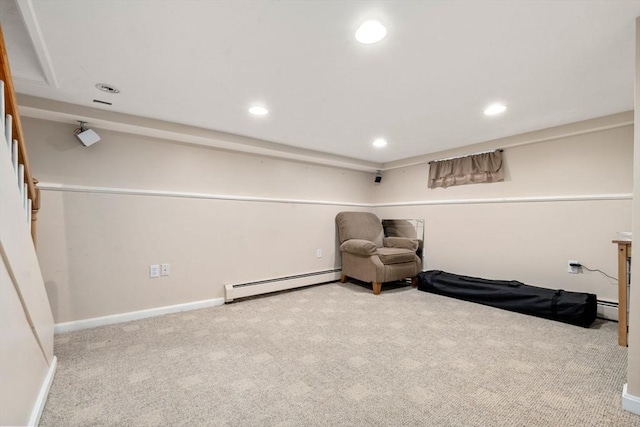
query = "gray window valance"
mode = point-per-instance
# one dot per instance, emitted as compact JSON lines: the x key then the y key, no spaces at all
{"x":483,"y":167}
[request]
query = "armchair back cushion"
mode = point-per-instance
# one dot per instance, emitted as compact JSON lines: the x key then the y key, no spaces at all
{"x":359,"y":225}
{"x":401,"y":242}
{"x":399,"y":228}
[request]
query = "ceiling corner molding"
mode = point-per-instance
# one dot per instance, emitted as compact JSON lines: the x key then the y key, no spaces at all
{"x":33,"y":28}
{"x":31,"y":81}
{"x":583,"y":127}
{"x":56,"y":111}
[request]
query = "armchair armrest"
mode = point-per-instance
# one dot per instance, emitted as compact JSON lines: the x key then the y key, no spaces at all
{"x":359,"y":247}
{"x":401,"y":242}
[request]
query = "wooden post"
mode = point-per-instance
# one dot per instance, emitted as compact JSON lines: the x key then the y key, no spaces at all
{"x":35,"y":207}
{"x":624,"y":253}
{"x":377,"y":288}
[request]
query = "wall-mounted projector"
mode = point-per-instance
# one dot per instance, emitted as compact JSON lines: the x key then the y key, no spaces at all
{"x":86,"y":136}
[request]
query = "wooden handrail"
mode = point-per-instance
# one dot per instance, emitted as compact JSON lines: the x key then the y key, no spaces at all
{"x":11,"y":107}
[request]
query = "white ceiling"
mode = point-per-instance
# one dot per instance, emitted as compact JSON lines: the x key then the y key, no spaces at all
{"x":423,"y":87}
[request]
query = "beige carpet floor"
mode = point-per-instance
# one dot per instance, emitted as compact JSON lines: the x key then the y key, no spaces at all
{"x":336,"y":355}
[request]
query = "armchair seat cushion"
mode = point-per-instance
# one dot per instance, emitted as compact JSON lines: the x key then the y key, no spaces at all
{"x":396,"y":255}
{"x":401,"y":242}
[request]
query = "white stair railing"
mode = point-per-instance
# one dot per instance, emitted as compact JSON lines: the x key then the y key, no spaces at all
{"x":11,"y":128}
{"x":18,"y":167}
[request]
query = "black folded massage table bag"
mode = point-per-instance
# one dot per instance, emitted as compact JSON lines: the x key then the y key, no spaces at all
{"x":575,"y":308}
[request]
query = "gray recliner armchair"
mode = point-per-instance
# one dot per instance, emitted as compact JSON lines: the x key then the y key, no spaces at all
{"x":369,"y":256}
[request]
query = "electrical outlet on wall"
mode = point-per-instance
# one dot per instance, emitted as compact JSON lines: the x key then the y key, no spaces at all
{"x":318,"y":253}
{"x":164,"y":269}
{"x":573,"y":269}
{"x":154,"y":270}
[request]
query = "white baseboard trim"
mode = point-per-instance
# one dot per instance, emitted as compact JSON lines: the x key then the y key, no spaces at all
{"x":94,"y":322}
{"x":630,"y":402}
{"x":36,"y":413}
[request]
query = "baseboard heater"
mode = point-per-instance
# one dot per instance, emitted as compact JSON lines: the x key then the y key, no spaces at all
{"x":608,"y":310}
{"x":243,"y":290}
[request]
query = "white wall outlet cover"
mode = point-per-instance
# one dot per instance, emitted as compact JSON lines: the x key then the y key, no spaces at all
{"x":319,"y":253}
{"x":164,"y":269}
{"x":571,"y":269}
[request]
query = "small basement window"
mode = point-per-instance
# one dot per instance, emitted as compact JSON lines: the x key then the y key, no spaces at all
{"x":475,"y":168}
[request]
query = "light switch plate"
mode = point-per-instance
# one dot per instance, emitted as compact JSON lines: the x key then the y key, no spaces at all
{"x":154,"y":270}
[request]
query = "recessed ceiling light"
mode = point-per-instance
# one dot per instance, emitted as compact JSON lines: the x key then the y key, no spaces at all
{"x":371,"y":32}
{"x":494,"y":109}
{"x":380,"y":142}
{"x":258,"y":111}
{"x":107,"y":88}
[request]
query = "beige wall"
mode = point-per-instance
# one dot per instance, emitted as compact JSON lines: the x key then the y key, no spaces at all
{"x":127,"y":161}
{"x":593,"y":163}
{"x":527,"y":241}
{"x":95,"y":248}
